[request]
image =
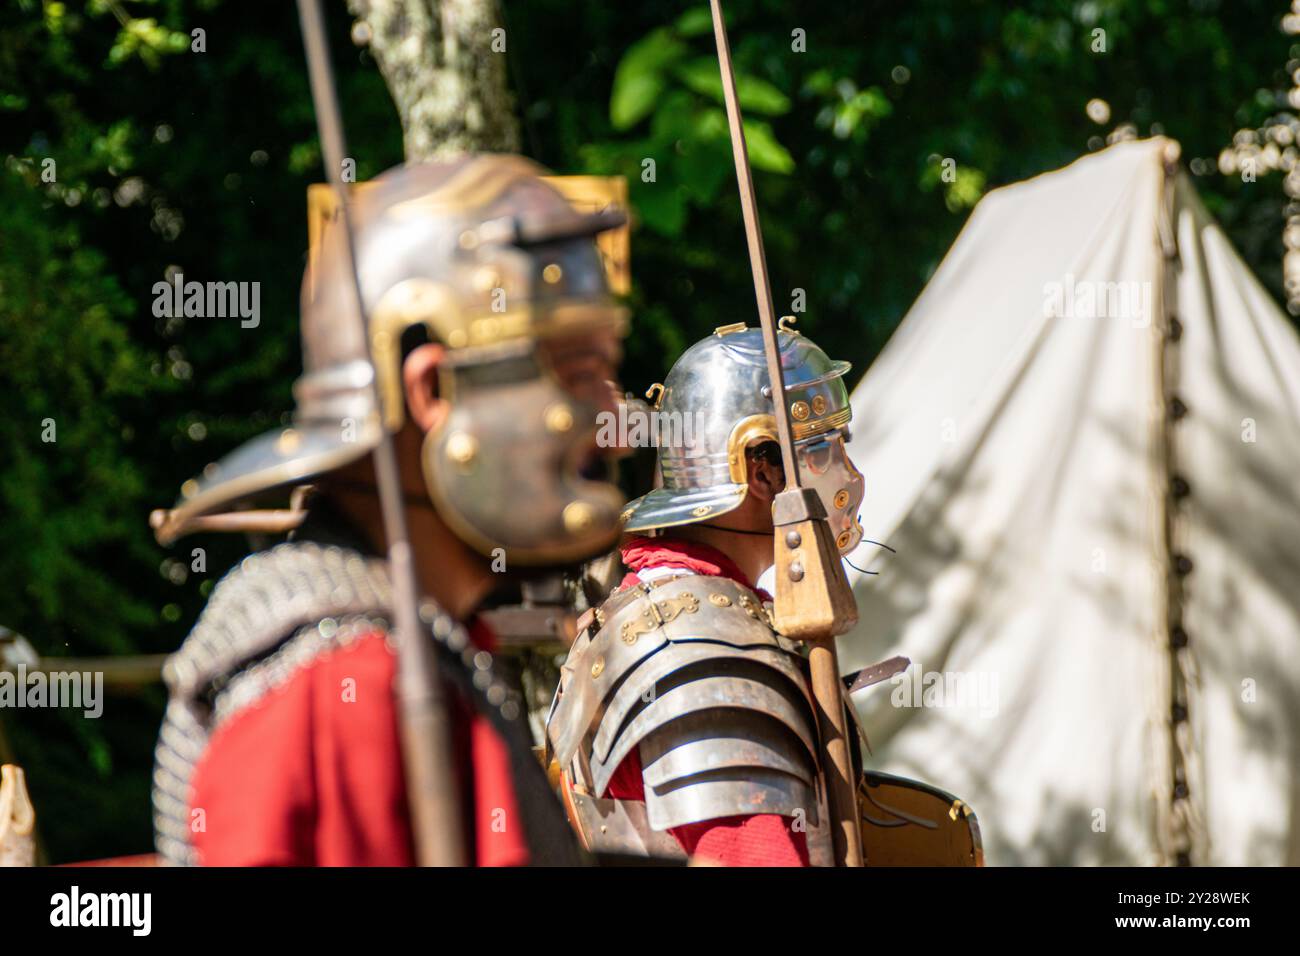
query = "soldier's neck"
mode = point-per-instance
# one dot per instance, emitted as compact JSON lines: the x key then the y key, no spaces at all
{"x":447,"y":570}
{"x":752,"y":553}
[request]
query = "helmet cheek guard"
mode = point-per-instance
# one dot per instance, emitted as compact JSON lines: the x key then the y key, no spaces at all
{"x":824,"y":466}
{"x":503,"y":468}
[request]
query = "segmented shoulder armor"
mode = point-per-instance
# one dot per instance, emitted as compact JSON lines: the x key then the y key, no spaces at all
{"x":690,"y":671}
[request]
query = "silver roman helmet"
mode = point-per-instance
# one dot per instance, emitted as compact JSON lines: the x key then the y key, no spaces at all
{"x":493,"y":263}
{"x":716,"y":402}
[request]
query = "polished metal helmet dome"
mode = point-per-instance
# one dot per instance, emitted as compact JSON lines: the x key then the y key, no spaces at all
{"x":716,"y":402}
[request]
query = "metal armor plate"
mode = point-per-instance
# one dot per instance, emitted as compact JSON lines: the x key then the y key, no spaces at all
{"x":689,"y":671}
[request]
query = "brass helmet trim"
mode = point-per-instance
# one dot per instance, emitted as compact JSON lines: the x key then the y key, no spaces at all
{"x":747,"y":430}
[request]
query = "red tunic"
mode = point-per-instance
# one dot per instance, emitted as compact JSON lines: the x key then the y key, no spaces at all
{"x":760,"y":839}
{"x":311,"y":774}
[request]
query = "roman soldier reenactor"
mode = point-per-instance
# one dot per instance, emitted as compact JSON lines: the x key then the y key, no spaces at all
{"x":683,"y":724}
{"x":489,"y":349}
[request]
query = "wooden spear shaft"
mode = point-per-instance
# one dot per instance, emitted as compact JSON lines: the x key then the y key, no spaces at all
{"x":822,"y":591}
{"x":436,"y":822}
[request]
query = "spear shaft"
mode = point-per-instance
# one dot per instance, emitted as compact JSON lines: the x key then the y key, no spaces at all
{"x":813,"y":600}
{"x":436,"y":823}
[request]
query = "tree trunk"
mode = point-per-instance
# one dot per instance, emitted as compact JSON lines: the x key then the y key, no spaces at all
{"x":445,"y":65}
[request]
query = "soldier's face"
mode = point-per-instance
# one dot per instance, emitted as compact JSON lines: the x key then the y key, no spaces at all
{"x":587,"y":366}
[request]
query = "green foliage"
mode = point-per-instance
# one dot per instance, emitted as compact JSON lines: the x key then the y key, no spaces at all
{"x":666,"y":78}
{"x":125,"y":154}
{"x":640,"y":78}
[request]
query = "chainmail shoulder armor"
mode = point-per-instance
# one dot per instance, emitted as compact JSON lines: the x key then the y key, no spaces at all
{"x":276,"y":612}
{"x":269,"y":616}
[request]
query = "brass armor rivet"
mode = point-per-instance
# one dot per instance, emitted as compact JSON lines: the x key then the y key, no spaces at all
{"x":552,"y":273}
{"x":842,"y":541}
{"x":559,"y":418}
{"x":841,"y":498}
{"x":288,"y":442}
{"x":457,"y":338}
{"x":719,"y":600}
{"x":793,"y":540}
{"x":468,"y":239}
{"x":578,"y":516}
{"x":819,"y":405}
{"x":796,"y":571}
{"x":799,"y":410}
{"x":686,"y":601}
{"x":701,"y":511}
{"x":190,"y":488}
{"x":461,"y":448}
{"x":488,"y":329}
{"x":598,"y":668}
{"x":627,"y":513}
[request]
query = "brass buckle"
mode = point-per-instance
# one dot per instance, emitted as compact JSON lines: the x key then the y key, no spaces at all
{"x":658,"y":613}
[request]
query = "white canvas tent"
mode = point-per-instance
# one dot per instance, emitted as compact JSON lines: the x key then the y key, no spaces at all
{"x":1091,"y":392}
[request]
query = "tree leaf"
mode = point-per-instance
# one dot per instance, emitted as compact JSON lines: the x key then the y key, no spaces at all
{"x":764,"y":150}
{"x":695,"y":22}
{"x":633,"y":98}
{"x":756,"y":95}
{"x":661,"y":207}
{"x":639,"y":77}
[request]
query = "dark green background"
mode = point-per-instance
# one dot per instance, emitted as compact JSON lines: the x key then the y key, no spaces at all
{"x":201,"y":160}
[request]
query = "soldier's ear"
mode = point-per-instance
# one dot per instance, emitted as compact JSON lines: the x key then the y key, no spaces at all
{"x":766,"y":480}
{"x":420,"y":381}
